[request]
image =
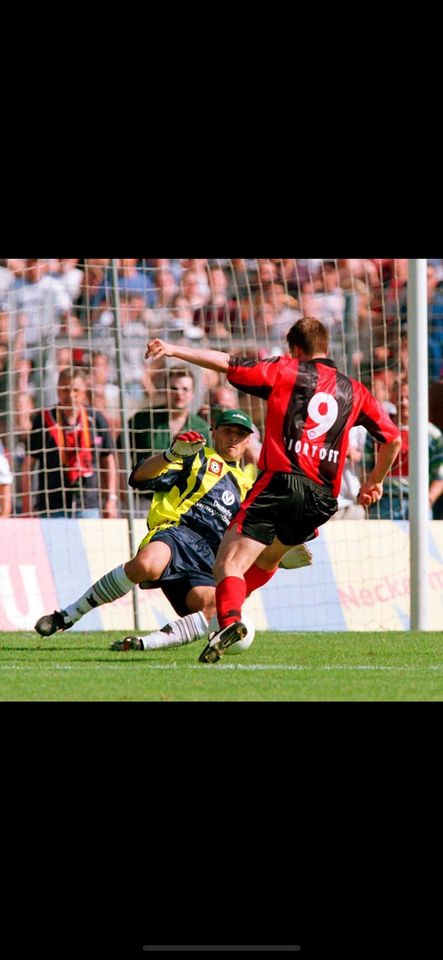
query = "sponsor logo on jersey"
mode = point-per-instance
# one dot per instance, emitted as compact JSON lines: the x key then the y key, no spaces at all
{"x":214,"y":466}
{"x":228,"y":497}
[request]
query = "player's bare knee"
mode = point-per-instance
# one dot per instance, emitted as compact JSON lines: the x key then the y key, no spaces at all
{"x":150,"y":569}
{"x":135,"y":571}
{"x":131,"y":570}
{"x":146,"y":565}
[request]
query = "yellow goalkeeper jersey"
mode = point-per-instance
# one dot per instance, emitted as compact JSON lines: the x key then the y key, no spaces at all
{"x":204,"y":493}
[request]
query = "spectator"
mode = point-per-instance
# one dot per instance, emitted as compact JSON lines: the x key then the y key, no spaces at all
{"x":5,"y":485}
{"x":137,"y":309}
{"x":63,"y":359}
{"x":435,"y":326}
{"x":96,"y":292}
{"x":69,"y":275}
{"x":239,"y":287}
{"x":161,"y":264}
{"x":220,"y":398}
{"x":394,"y":504}
{"x":133,"y":310}
{"x":132,"y":280}
{"x":151,"y":429}
{"x":166,"y":288}
{"x":73,"y":329}
{"x":396,"y":297}
{"x":289,"y":274}
{"x":358,"y":280}
{"x":267,"y":272}
{"x":134,"y":328}
{"x":384,"y":267}
{"x":38,"y":304}
{"x":14,"y":346}
{"x":199,"y":271}
{"x":24,"y":410}
{"x":160,"y":371}
{"x":105,"y":395}
{"x":195,"y":292}
{"x":382,"y":388}
{"x":178,"y":320}
{"x":71,"y":446}
{"x":276,"y":314}
{"x":328,"y":306}
{"x":358,"y":270}
{"x":438,"y":264}
{"x":308,"y":301}
{"x":219,"y":317}
{"x":71,"y":278}
{"x":297,"y":272}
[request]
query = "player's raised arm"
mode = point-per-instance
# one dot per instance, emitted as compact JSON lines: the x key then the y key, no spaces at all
{"x":212,"y":359}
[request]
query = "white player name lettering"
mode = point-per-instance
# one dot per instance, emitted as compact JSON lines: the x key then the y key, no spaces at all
{"x":312,"y":450}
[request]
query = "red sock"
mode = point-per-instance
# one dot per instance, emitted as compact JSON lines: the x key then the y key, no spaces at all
{"x":230,"y":594}
{"x":255,"y":578}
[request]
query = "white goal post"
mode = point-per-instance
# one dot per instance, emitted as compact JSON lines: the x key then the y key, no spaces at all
{"x":419,"y":452}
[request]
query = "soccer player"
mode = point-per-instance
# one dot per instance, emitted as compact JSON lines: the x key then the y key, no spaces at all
{"x":197,"y":491}
{"x":311,"y":409}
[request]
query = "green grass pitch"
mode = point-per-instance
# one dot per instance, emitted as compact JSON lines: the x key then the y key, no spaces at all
{"x":278,"y":666}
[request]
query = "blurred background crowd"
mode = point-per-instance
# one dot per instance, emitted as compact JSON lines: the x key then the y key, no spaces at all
{"x":93,"y":317}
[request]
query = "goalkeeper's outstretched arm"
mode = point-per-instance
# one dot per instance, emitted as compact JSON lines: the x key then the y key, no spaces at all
{"x":147,"y":470}
{"x":212,"y":359}
{"x":183,"y":445}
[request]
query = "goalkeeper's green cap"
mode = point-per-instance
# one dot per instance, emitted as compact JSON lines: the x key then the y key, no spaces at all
{"x":229,"y":417}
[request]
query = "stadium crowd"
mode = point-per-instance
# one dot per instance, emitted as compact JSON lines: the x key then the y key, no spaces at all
{"x":61,"y":313}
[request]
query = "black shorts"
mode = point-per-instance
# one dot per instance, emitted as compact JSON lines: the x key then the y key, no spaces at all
{"x":283,"y":505}
{"x":190,"y":566}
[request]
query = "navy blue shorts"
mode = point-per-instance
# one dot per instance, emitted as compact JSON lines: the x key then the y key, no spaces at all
{"x":190,"y":566}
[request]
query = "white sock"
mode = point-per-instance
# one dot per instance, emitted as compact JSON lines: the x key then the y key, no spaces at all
{"x":177,"y":632}
{"x":113,"y":585}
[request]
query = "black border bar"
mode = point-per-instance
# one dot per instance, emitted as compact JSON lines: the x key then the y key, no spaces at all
{"x":163,"y":948}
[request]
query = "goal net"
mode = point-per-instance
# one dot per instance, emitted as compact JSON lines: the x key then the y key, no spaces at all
{"x":63,"y":529}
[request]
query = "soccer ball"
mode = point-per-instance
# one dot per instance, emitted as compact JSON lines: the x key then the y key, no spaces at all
{"x":240,"y":645}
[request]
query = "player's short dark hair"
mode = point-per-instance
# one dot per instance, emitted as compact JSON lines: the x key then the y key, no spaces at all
{"x":310,"y":335}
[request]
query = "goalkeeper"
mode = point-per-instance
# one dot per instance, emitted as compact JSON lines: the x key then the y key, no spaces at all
{"x":197,"y":491}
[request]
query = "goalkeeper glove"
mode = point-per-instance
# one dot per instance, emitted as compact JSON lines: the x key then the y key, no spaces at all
{"x":184,"y":445}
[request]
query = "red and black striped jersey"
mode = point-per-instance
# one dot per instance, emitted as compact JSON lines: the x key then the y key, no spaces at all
{"x":311,"y":409}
